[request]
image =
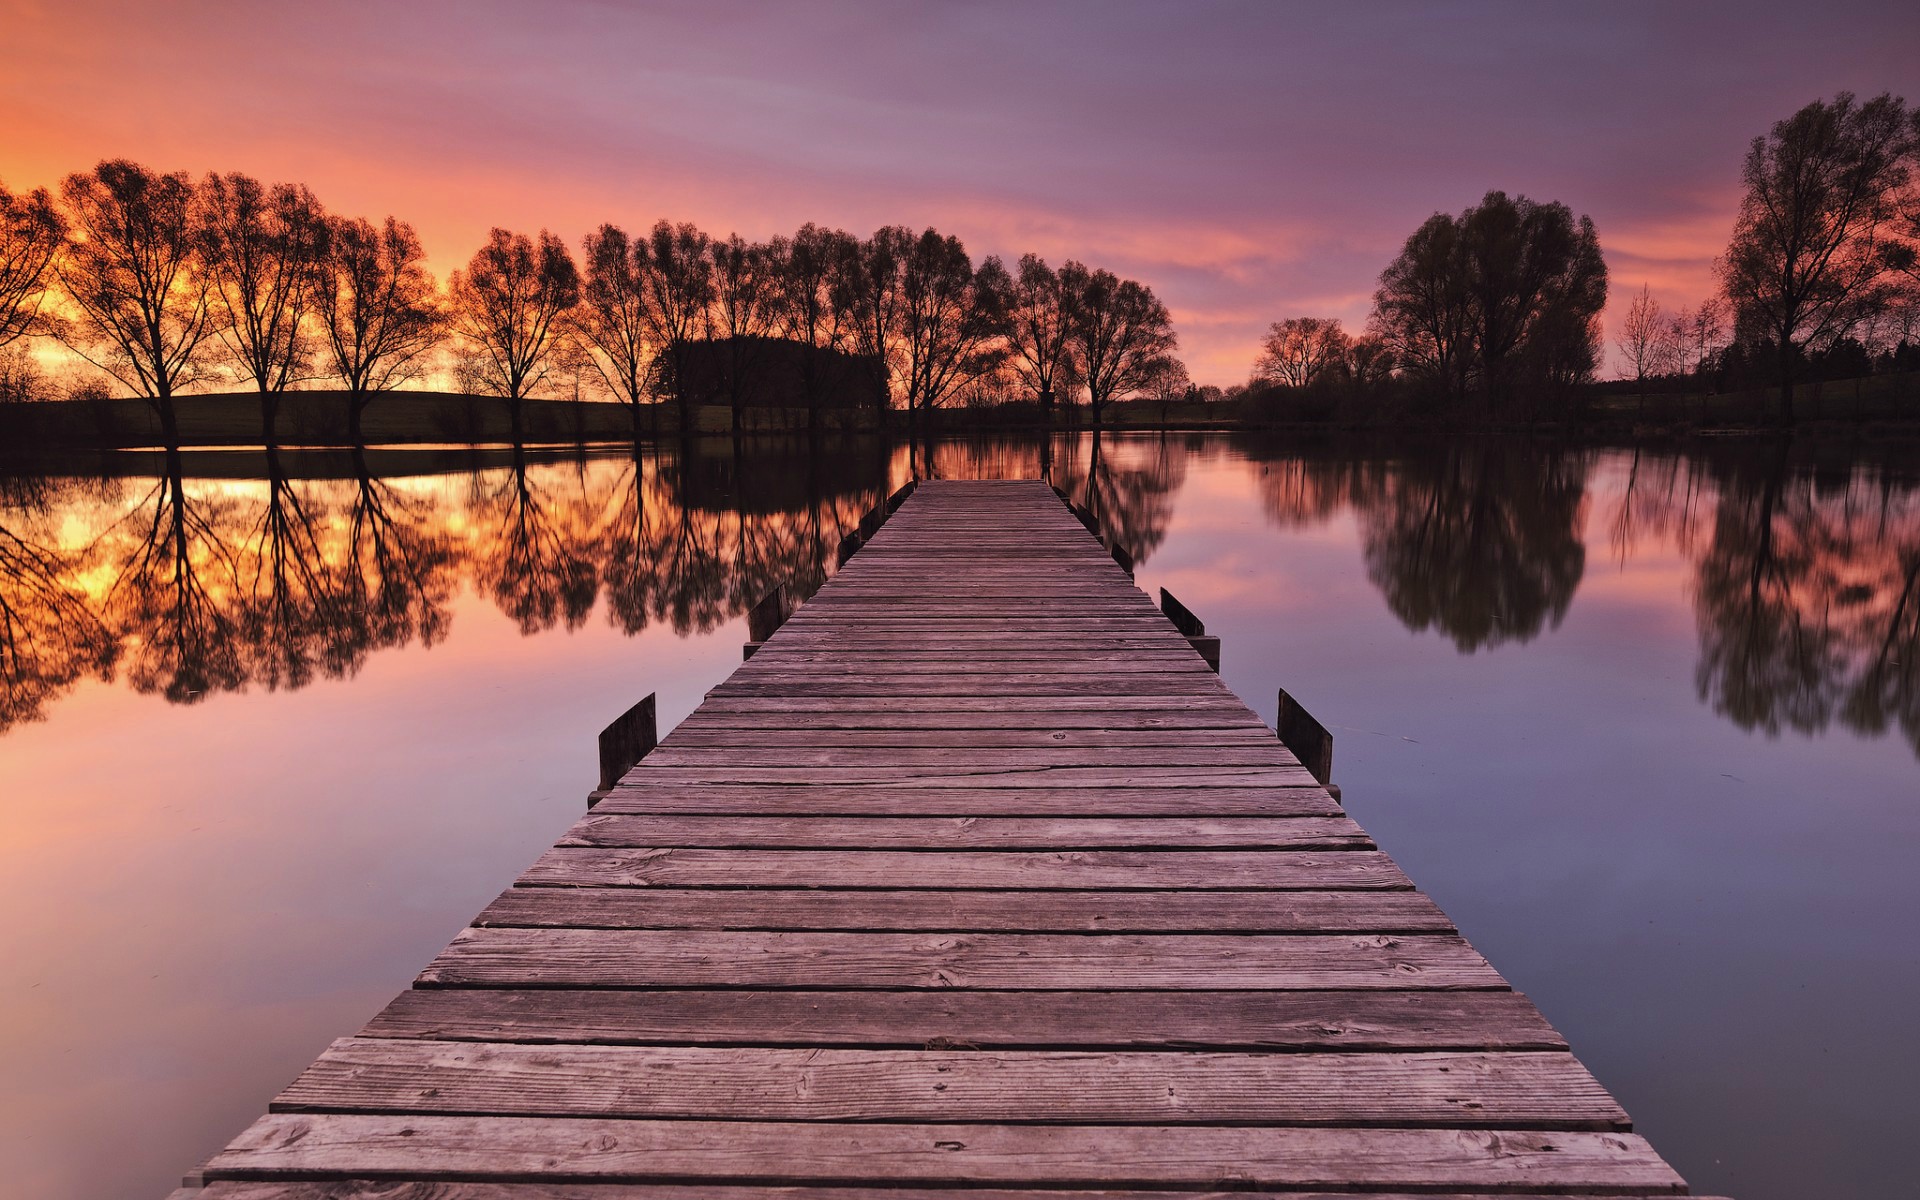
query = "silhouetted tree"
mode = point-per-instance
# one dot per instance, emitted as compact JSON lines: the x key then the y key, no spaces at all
{"x":1806,"y":263}
{"x":538,"y":563}
{"x":814,"y":305}
{"x":378,"y":312}
{"x":951,"y":318}
{"x":1118,"y":332}
{"x":612,"y":318}
{"x":294,"y":621}
{"x":1506,"y":295}
{"x":143,"y":307}
{"x":32,"y":235}
{"x":397,"y":566}
{"x":1037,"y":330}
{"x":1649,"y":340}
{"x":509,"y":305}
{"x":744,"y":300}
{"x":677,"y":288}
{"x":1299,"y":349}
{"x":260,"y":247}
{"x":872,"y":290}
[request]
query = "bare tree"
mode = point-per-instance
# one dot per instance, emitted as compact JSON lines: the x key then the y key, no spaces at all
{"x":951,"y":318}
{"x":1649,"y":341}
{"x":379,"y":314}
{"x":1037,"y":329}
{"x":32,"y":234}
{"x":677,"y":288}
{"x":612,"y":318}
{"x":1170,"y":382}
{"x":813,"y":307}
{"x":1119,"y":333}
{"x":871,"y":287}
{"x":1299,"y":349}
{"x":143,"y":307}
{"x":1807,"y":263}
{"x":259,"y":247}
{"x":509,"y":305}
{"x":744,"y":301}
{"x":1422,"y":310}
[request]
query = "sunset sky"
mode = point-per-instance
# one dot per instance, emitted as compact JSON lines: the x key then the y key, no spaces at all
{"x":1249,"y":161}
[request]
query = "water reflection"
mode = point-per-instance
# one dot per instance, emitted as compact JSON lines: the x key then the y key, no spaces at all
{"x":1805,"y":572}
{"x":194,"y":577}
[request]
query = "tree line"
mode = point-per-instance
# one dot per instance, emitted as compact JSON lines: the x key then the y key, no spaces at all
{"x":1496,"y":311}
{"x":167,"y":284}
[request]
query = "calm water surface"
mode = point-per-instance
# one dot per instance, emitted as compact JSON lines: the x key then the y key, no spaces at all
{"x":1646,"y":724}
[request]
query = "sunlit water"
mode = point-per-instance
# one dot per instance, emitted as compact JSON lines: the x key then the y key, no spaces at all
{"x":1644,"y":724}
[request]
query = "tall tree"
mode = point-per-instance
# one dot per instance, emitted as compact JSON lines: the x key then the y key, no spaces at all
{"x":1037,"y":329}
{"x":379,"y":314}
{"x":1118,"y":332}
{"x":951,"y":318}
{"x":871,"y":287}
{"x":144,"y":312}
{"x":32,"y":234}
{"x":1506,"y":296}
{"x":1807,"y":262}
{"x":612,"y":318}
{"x":259,"y":246}
{"x":676,"y":275}
{"x":1299,"y":349}
{"x":1537,"y":283}
{"x":509,"y":305}
{"x":744,"y":302}
{"x":812,"y":305}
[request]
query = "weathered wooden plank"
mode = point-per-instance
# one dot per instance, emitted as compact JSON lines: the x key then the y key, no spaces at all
{"x":903,"y":761}
{"x":1199,"y":870}
{"x":1531,"y":1089}
{"x":963,"y":833}
{"x":753,"y":735}
{"x":380,"y":1189}
{"x":1197,"y":776}
{"x":893,"y":961}
{"x":472,"y":1148}
{"x":961,"y":911}
{"x":1292,"y":1020}
{"x":645,"y":796}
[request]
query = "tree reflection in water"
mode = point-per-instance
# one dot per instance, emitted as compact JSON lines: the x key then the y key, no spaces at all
{"x":1805,"y":577}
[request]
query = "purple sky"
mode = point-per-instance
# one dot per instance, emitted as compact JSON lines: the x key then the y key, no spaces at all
{"x":1249,"y":161}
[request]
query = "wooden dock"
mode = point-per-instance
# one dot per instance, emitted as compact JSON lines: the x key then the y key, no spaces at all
{"x":973,"y":877}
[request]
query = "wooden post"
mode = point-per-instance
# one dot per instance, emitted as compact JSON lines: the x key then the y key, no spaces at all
{"x":900,"y":497}
{"x":625,"y":742}
{"x":1204,"y":644}
{"x":848,"y":545}
{"x":767,"y":616}
{"x":870,"y":524}
{"x":1306,"y":737}
{"x":1121,"y":556}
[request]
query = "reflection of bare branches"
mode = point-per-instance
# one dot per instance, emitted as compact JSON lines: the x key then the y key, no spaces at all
{"x":49,"y":634}
{"x":1128,"y":485}
{"x":539,"y":567}
{"x":296,"y":620}
{"x":396,"y":567}
{"x":175,"y":596}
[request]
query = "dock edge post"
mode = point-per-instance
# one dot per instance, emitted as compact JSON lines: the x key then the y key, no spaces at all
{"x":1307,"y":738}
{"x":630,"y":738}
{"x":1204,"y":644}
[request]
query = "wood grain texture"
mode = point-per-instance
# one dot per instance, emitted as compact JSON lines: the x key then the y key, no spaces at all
{"x":1165,"y":911}
{"x":1040,"y":961}
{"x":967,"y":833}
{"x":1537,"y":1090}
{"x":478,"y":1148}
{"x":384,"y":1189}
{"x":1224,"y":1020}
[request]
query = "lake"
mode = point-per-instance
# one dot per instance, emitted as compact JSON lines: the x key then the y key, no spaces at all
{"x":1646,"y":723}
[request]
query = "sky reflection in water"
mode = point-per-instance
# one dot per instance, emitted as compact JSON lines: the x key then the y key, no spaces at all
{"x":1645,"y":724}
